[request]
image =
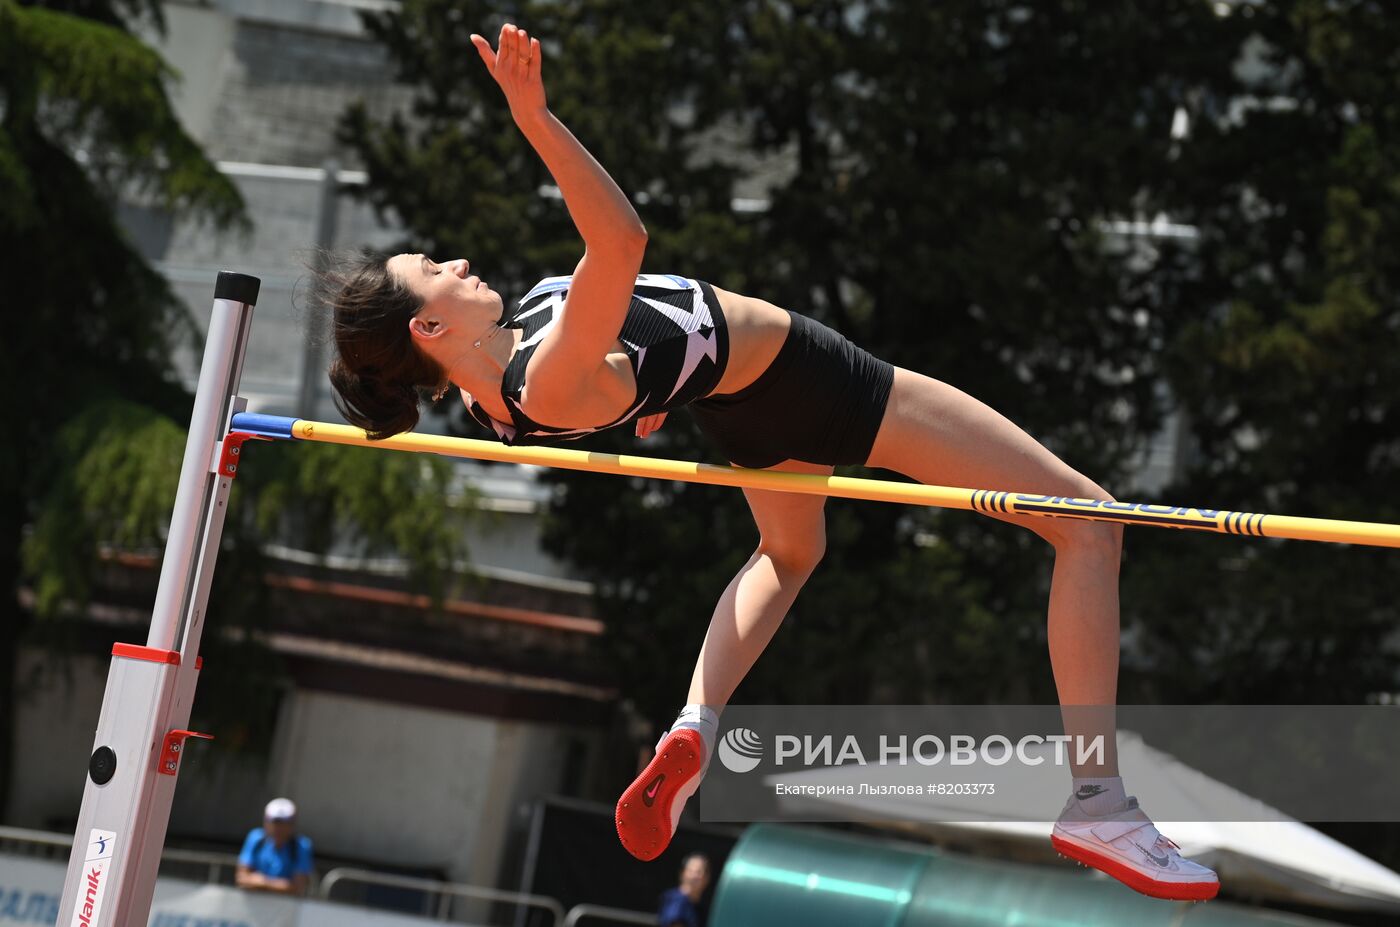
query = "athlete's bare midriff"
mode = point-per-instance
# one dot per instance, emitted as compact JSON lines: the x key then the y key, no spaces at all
{"x":757,"y":330}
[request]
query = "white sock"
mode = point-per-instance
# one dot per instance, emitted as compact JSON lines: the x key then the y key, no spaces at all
{"x":1099,"y":795}
{"x":704,"y":720}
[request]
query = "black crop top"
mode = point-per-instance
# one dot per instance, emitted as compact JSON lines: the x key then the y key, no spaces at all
{"x":674,"y":334}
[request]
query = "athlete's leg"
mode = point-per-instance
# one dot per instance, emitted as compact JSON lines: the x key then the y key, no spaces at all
{"x":936,"y":433}
{"x":792,"y":539}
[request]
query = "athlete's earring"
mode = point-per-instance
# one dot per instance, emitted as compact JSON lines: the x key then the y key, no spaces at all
{"x":442,"y":391}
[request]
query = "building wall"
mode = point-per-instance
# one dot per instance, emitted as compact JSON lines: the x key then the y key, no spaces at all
{"x":286,"y":88}
{"x":196,"y":44}
{"x":262,"y":87}
{"x":55,"y":721}
{"x":375,"y":781}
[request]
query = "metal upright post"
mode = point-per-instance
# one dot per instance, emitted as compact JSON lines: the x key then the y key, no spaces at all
{"x":141,"y":732}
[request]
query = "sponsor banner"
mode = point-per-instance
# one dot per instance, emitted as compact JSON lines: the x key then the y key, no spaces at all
{"x":326,"y":914}
{"x":960,"y":764}
{"x":30,"y":890}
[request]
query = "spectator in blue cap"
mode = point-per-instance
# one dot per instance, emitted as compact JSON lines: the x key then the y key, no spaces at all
{"x":275,"y":857}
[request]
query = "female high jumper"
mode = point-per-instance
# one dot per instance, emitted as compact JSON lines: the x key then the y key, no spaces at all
{"x":610,"y":346}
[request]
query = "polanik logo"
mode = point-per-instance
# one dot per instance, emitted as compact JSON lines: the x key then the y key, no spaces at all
{"x":740,"y":750}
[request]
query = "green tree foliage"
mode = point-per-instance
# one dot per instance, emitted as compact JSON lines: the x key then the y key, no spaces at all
{"x":940,"y":173}
{"x":458,"y":169}
{"x":113,"y":495}
{"x":1283,"y":336}
{"x":937,"y":177}
{"x":95,"y":421}
{"x":937,"y":173}
{"x":84,"y":118}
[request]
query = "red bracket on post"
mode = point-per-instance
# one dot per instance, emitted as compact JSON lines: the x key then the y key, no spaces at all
{"x":232,"y":448}
{"x":169,"y":763}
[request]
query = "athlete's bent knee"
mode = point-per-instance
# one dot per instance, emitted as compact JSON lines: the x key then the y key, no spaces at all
{"x":1081,"y":533}
{"x":797,"y":555}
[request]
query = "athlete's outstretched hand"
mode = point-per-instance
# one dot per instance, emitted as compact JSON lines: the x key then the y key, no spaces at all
{"x":647,"y":424}
{"x":515,"y":64}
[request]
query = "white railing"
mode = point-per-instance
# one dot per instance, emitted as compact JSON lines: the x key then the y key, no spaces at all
{"x":447,"y":891}
{"x":37,"y":838}
{"x":216,"y":863}
{"x":597,"y":912}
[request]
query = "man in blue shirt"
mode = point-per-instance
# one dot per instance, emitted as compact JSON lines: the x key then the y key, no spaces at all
{"x":679,"y":906}
{"x":275,"y":857}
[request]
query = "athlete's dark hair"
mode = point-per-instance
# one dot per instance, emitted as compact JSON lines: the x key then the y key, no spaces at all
{"x":378,"y":371}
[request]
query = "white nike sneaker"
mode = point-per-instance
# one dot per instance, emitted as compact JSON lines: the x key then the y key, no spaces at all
{"x":1126,"y":845}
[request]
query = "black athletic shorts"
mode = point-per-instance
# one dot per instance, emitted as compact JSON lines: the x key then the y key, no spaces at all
{"x":820,"y":401}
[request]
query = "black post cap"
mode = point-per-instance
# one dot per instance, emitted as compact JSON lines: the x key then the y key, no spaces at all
{"x":241,"y":288}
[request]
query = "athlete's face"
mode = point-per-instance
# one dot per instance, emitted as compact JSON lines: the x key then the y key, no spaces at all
{"x":458,"y":307}
{"x":448,"y":289}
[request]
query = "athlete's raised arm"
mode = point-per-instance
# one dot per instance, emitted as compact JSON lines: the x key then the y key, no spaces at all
{"x":613,"y":235}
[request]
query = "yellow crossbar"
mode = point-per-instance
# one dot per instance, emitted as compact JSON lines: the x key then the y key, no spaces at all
{"x":1375,"y":534}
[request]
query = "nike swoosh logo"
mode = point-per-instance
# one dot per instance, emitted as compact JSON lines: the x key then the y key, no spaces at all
{"x":1161,"y":861}
{"x":649,"y":795}
{"x":1089,"y":791}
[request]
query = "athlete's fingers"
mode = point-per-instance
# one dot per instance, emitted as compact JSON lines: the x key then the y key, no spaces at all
{"x":505,"y":49}
{"x":483,"y":48}
{"x":535,"y":58}
{"x":522,"y":54}
{"x":650,"y":423}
